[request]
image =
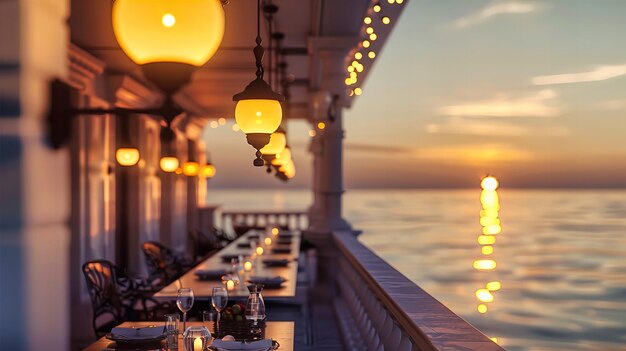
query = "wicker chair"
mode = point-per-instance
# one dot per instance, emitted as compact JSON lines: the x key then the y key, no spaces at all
{"x":116,"y":297}
{"x":204,"y":245}
{"x":164,"y":266}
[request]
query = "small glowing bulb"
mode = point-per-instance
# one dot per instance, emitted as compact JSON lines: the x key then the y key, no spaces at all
{"x":399,"y":1}
{"x":369,"y":30}
{"x":373,"y":36}
{"x":366,"y":44}
{"x":358,"y":55}
{"x":367,"y":20}
{"x":168,"y":20}
{"x":247,"y":266}
{"x":386,"y":20}
{"x":221,"y":121}
{"x":235,"y":127}
{"x":321,"y":125}
{"x":259,"y":251}
{"x":359,"y":68}
{"x":355,"y":63}
{"x":377,"y":8}
{"x":391,"y":1}
{"x":482,"y":308}
{"x":268,"y":241}
{"x":214,"y":124}
{"x":275,"y":231}
{"x":371,"y":54}
{"x":358,"y":91}
{"x":350,"y":69}
{"x":312,"y":133}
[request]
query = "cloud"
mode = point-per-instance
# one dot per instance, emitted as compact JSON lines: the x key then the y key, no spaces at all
{"x":462,"y":126}
{"x":539,"y":104}
{"x":479,"y":154}
{"x":598,"y":74}
{"x":503,"y":8}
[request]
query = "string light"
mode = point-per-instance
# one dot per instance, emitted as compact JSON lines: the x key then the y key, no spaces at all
{"x":369,"y":30}
{"x":358,"y":91}
{"x":373,"y":36}
{"x":371,"y":54}
{"x":358,"y":55}
{"x":214,"y":124}
{"x":221,"y":121}
{"x":386,"y":20}
{"x":366,"y":44}
{"x":367,"y":20}
{"x":321,"y":125}
{"x":377,"y":8}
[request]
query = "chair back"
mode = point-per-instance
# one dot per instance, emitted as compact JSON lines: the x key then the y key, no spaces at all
{"x":107,"y":302}
{"x":161,"y":261}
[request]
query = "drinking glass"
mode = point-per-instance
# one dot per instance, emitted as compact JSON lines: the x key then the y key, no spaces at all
{"x":171,"y":330}
{"x":184,"y":303}
{"x":219,"y":299}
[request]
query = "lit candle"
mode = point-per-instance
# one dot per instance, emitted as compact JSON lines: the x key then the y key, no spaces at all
{"x":268,"y":241}
{"x":197,"y":344}
{"x":275,"y":231}
{"x":230,"y":285}
{"x":259,"y":251}
{"x":247,"y":266}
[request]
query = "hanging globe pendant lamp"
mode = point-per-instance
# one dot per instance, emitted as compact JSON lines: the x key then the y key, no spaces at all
{"x":169,"y":39}
{"x":258,"y":111}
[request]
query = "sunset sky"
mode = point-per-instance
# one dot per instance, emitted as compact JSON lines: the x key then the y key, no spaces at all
{"x":533,"y":92}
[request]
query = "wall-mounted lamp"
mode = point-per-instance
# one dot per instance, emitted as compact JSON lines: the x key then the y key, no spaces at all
{"x":258,"y":111}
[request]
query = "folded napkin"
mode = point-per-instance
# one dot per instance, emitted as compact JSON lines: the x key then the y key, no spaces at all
{"x":268,"y":282}
{"x":281,"y":250}
{"x":276,"y":262}
{"x":210,"y":273}
{"x":138,"y":333}
{"x":260,"y":345}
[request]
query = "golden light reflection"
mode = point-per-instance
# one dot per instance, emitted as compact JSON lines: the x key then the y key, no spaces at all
{"x":484,"y":264}
{"x":486,"y":250}
{"x":484,"y":295}
{"x":493,"y":286}
{"x":491,"y":226}
{"x":486,"y":240}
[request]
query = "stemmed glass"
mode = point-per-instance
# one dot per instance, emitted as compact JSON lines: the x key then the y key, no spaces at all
{"x":184,"y":303}
{"x":219,"y":299}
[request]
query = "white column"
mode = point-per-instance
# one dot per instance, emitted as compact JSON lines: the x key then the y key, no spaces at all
{"x":326,"y":213}
{"x":34,"y":180}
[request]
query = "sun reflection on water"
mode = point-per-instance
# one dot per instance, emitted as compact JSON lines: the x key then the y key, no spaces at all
{"x":491,"y":227}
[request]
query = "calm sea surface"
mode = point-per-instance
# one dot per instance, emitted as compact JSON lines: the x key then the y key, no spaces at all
{"x":561,"y":256}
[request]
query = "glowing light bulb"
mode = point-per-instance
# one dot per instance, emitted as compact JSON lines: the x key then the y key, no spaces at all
{"x":367,"y":20}
{"x":373,"y":36}
{"x":275,"y":231}
{"x":247,"y":266}
{"x":268,"y":241}
{"x":168,"y":20}
{"x":358,"y":91}
{"x":358,"y":55}
{"x":369,"y":30}
{"x":366,"y":43}
{"x":168,"y":164}
{"x":127,"y":156}
{"x":371,"y":54}
{"x":376,"y":8}
{"x":259,"y":251}
{"x":386,"y":20}
{"x":321,"y":125}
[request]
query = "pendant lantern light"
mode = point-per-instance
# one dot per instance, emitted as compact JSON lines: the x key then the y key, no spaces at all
{"x":258,"y":111}
{"x":169,"y":162}
{"x":169,"y":39}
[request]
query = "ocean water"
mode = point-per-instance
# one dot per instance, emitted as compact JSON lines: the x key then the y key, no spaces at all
{"x":561,"y":256}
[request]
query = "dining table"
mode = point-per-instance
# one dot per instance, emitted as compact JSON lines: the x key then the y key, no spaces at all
{"x":282,"y":332}
{"x":286,"y":242}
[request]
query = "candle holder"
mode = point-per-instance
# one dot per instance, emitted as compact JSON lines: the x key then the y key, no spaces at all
{"x":196,"y":338}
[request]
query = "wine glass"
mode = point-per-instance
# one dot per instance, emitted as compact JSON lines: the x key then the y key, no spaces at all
{"x":184,"y":303}
{"x":219,"y":299}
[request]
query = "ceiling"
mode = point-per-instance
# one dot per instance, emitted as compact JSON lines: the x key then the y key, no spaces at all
{"x":232,"y":67}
